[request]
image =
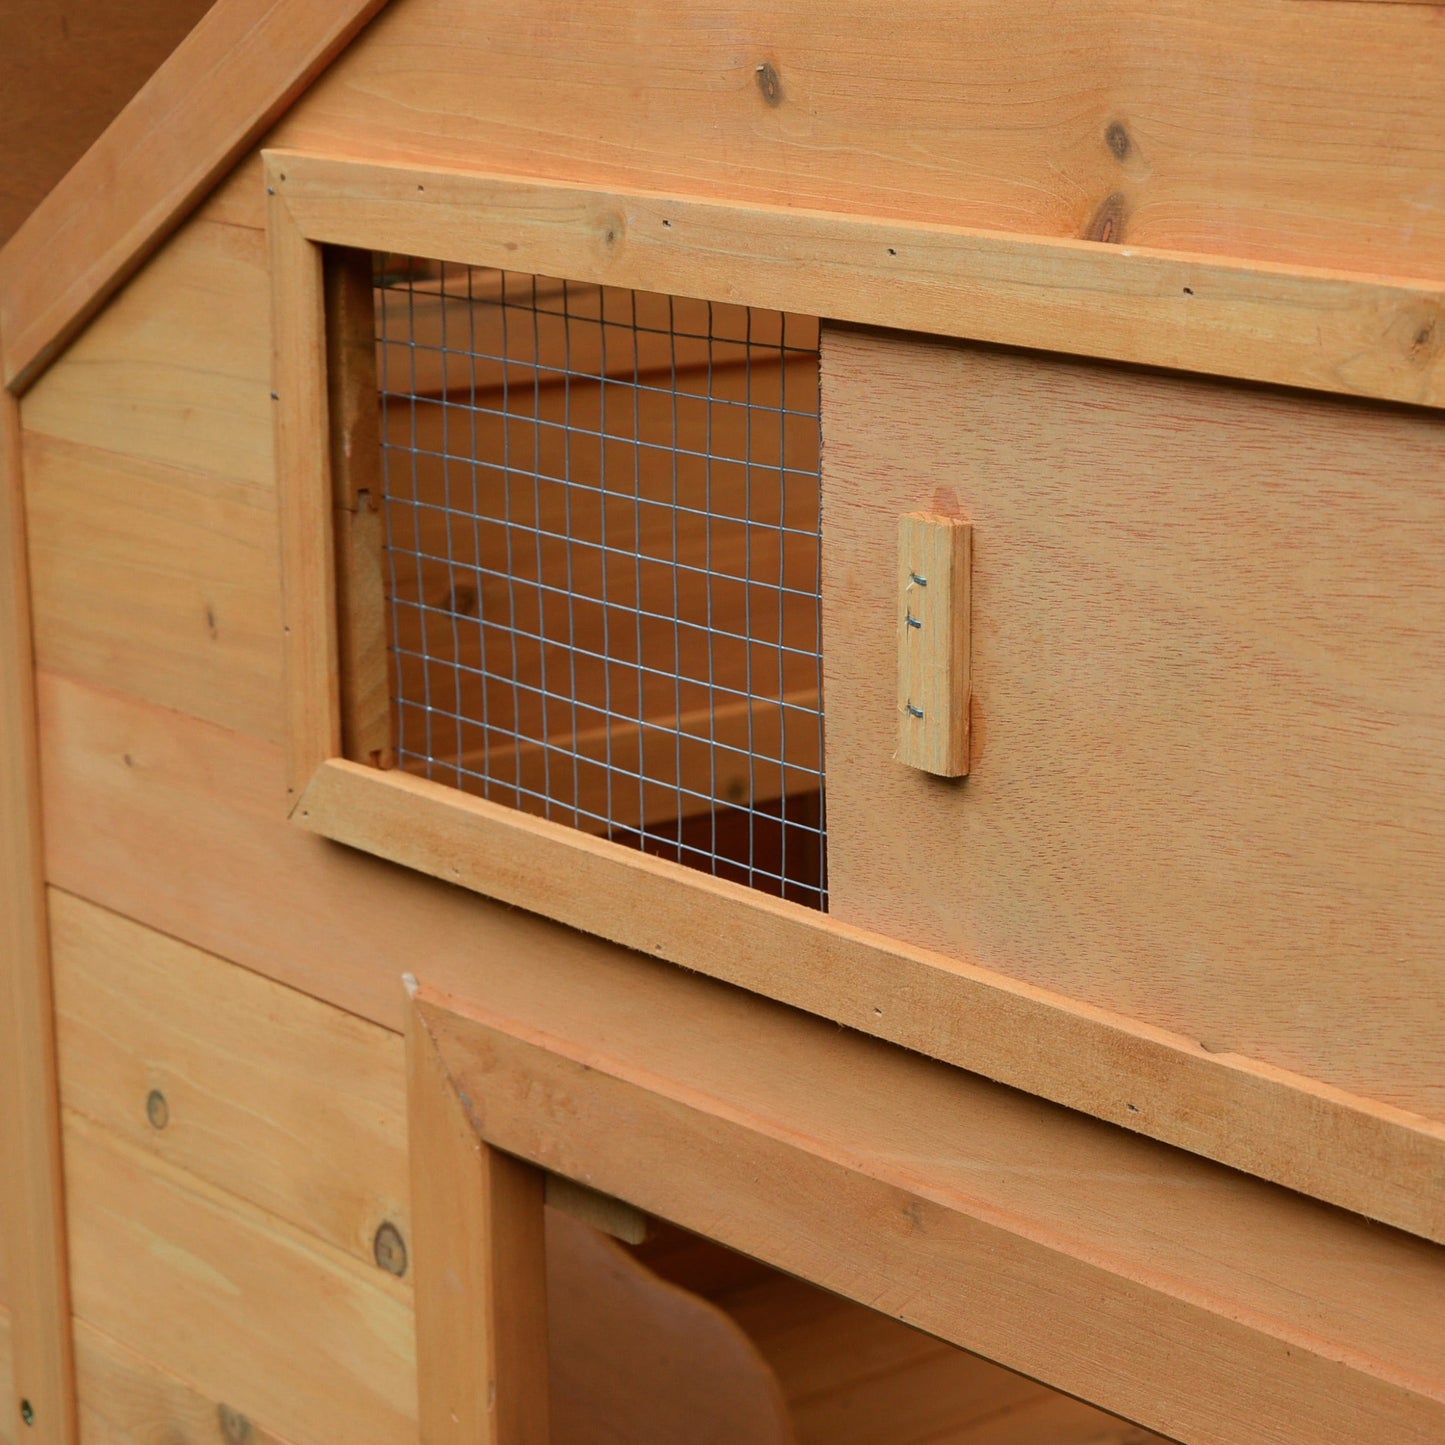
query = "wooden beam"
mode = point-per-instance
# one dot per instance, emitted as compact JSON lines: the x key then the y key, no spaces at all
{"x":1359,"y":1153}
{"x":1068,"y":1250}
{"x":480,"y":1269}
{"x":1299,"y":326}
{"x":226,"y":83}
{"x":32,"y":1202}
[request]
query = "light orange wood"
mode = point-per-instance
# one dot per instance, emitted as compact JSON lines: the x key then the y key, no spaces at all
{"x":303,"y":467}
{"x":32,"y":1190}
{"x":935,"y":557}
{"x":1224,"y":1105}
{"x":853,"y":1376}
{"x":283,"y":1101}
{"x":1206,"y":789}
{"x":127,"y":1399}
{"x":481,"y":1273}
{"x":638,"y":1361}
{"x":367,"y":726}
{"x":159,"y":581}
{"x":300,"y":1338}
{"x":7,"y":1380}
{"x":1058,"y":1246}
{"x":1295,"y":325}
{"x":67,"y":67}
{"x":599,"y":1211}
{"x":177,"y":369}
{"x":235,"y":73}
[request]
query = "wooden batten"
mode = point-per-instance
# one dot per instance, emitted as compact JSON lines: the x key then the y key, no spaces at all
{"x":32,"y":1193}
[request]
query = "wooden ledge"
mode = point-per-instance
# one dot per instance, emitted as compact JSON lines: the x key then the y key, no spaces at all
{"x":1177,"y":1293}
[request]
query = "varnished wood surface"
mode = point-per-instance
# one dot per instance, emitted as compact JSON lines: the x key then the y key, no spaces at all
{"x":230,"y":78}
{"x":1206,"y":789}
{"x":899,"y":1182}
{"x":32,"y":1186}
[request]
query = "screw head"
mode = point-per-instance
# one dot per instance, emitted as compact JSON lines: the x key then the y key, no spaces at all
{"x":27,"y":1412}
{"x":389,"y":1249}
{"x":157,"y":1110}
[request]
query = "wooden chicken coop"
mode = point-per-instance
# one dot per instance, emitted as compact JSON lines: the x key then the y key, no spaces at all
{"x":726,"y":724}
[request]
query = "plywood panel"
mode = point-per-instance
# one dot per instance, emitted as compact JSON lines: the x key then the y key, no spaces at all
{"x":127,"y":1399}
{"x":281,"y":1100}
{"x":177,"y":369}
{"x":1207,"y":711}
{"x":157,"y":581}
{"x":300,"y":1338}
{"x":1140,"y":122}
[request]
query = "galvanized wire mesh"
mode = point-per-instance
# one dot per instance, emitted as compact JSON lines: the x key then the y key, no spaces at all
{"x":602,"y":520}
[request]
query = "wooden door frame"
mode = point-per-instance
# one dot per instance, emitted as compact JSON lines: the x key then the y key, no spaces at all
{"x":1173,"y":1292}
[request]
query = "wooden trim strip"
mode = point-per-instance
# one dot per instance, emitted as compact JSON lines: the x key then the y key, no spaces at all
{"x":303,"y":472}
{"x":32,"y":1194}
{"x":225,"y":85}
{"x":480,"y":1270}
{"x":1077,"y":1254}
{"x":1363,"y":1155}
{"x":1291,"y":325}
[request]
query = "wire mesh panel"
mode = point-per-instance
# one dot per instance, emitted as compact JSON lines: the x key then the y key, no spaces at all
{"x":602,"y":517}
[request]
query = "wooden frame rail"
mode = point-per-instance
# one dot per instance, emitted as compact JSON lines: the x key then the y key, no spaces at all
{"x":1346,"y":334}
{"x":1088,"y":1258}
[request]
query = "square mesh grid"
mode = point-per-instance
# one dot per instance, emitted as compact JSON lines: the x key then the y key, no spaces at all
{"x":602,"y":522}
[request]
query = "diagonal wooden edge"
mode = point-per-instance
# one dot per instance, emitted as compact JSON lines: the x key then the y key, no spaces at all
{"x":1070,"y":1250}
{"x":224,"y":85}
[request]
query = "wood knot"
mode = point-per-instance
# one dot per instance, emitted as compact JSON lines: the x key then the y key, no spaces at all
{"x":769,"y":83}
{"x":1107,"y":222}
{"x":1116,"y":137}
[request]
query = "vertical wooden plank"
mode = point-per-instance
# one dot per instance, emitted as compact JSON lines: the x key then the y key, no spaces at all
{"x":480,"y":1270}
{"x":303,"y":465}
{"x":934,"y":560}
{"x":367,"y":729}
{"x":32,"y":1203}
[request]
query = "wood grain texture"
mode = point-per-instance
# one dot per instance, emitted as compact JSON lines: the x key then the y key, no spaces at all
{"x":127,"y":1399}
{"x":1206,"y":790}
{"x":1289,"y":324}
{"x":481,"y":1272}
{"x":303,"y":471}
{"x":934,"y":562}
{"x":230,"y":78}
{"x":914,"y":1188}
{"x":32,"y":1188}
{"x":301,"y":1338}
{"x":123,"y":779}
{"x":158,"y":581}
{"x":1226,"y":1105}
{"x":177,"y":369}
{"x":7,"y":1380}
{"x":292,"y":1105}
{"x":1316,"y":143}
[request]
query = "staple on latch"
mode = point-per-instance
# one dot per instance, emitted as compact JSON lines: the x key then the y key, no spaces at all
{"x":912,"y":620}
{"x":913,"y":711}
{"x":917,"y":580}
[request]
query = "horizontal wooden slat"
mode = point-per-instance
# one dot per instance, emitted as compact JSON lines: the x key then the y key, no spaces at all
{"x":157,"y":581}
{"x":178,"y":368}
{"x":229,"y":79}
{"x":1325,"y":330}
{"x":300,"y":1338}
{"x":286,"y":1102}
{"x":127,"y":1399}
{"x":122,"y":779}
{"x":1085,"y":1257}
{"x":1317,"y":141}
{"x":1283,"y":1126}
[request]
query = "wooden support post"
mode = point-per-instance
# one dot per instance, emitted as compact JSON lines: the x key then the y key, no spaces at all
{"x":32,"y":1203}
{"x":480,"y":1270}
